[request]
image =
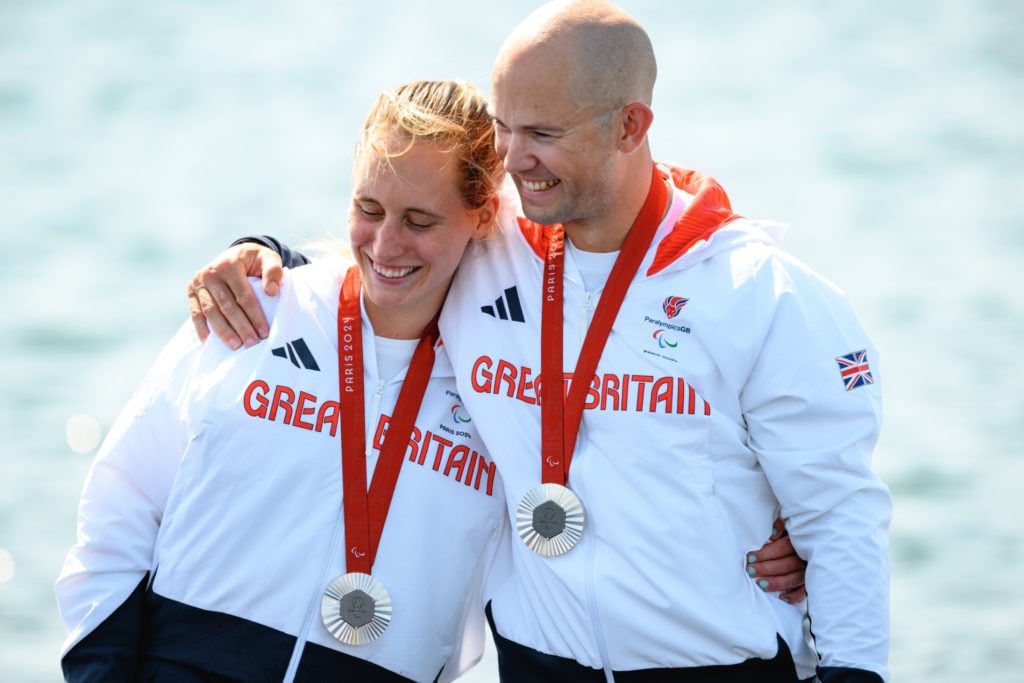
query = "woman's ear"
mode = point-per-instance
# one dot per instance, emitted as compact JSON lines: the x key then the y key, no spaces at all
{"x":487,"y":218}
{"x":636,"y":120}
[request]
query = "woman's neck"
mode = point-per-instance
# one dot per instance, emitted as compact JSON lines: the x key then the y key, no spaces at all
{"x":397,"y":324}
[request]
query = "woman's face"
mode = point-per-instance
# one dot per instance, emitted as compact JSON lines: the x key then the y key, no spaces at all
{"x":408,"y":228}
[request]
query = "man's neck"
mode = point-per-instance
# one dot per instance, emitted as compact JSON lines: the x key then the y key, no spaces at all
{"x":588,"y":236}
{"x":604,"y":234}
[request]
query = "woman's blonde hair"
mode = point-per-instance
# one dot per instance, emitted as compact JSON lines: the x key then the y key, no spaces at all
{"x":452,"y":114}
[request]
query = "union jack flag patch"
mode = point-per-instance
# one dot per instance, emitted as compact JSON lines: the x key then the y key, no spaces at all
{"x":854,"y":369}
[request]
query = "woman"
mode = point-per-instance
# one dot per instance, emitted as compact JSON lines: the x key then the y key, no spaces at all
{"x":319,"y":507}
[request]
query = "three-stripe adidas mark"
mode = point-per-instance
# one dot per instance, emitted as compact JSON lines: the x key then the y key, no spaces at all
{"x":506,"y":307}
{"x":298,"y":353}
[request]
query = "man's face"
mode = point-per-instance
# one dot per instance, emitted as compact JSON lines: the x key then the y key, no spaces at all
{"x":557,"y":152}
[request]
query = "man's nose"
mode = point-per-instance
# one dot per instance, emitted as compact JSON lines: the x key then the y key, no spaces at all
{"x":516,"y":153}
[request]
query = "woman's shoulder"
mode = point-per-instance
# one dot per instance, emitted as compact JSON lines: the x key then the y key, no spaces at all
{"x":323,"y":275}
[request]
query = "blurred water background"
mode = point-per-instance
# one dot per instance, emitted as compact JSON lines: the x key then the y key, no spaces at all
{"x":138,"y":139}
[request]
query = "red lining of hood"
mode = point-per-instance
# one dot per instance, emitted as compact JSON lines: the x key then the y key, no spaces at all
{"x":707,"y":212}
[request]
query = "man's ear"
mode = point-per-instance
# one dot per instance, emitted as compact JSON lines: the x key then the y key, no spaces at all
{"x":635,"y":120}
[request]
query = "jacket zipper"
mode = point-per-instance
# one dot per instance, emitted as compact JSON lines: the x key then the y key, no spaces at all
{"x":586,"y":314}
{"x":371,"y":422}
{"x":303,"y":635}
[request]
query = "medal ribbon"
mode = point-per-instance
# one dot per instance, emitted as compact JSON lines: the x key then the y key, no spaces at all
{"x":562,"y":412}
{"x":367,"y":510}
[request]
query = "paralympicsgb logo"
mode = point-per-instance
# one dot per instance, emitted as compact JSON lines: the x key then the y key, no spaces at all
{"x":672,"y":305}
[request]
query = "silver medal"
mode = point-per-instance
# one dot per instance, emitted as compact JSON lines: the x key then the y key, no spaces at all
{"x":356,"y":608}
{"x":550,"y":519}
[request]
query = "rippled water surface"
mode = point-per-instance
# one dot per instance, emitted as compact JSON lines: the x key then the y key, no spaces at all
{"x":137,"y":139}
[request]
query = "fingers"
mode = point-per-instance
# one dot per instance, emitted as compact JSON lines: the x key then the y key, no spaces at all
{"x":794,"y":596}
{"x":195,"y":311}
{"x":781,"y":582}
{"x":776,"y":548}
{"x":272,"y":272}
{"x":252,"y":259}
{"x":231,"y":307}
{"x":780,"y":576}
{"x":205,"y":312}
{"x":222,"y":299}
{"x":777,"y":568}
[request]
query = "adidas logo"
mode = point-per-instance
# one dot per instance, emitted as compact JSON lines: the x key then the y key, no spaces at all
{"x":506,"y":307}
{"x":298,"y":353}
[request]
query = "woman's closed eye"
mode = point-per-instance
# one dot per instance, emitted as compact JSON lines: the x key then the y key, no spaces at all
{"x":370,"y":210}
{"x":420,"y":222}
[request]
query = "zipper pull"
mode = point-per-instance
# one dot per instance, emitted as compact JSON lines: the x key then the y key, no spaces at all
{"x":378,"y":395}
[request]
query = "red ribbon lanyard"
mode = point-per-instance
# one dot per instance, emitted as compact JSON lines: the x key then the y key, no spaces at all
{"x":367,"y":510}
{"x":561,"y":412}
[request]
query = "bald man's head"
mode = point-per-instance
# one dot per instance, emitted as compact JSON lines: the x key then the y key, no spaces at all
{"x":570,"y":94}
{"x":604,"y":52}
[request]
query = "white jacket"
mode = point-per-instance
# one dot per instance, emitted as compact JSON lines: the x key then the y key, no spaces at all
{"x":705,"y":421}
{"x":222,"y":477}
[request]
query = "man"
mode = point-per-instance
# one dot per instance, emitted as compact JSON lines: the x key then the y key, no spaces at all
{"x":720,"y":382}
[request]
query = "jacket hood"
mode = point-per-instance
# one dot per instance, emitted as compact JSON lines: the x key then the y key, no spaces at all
{"x":699,"y":223}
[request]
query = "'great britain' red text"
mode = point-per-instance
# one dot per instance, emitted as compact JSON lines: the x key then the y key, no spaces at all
{"x":639,"y":393}
{"x":305,"y":411}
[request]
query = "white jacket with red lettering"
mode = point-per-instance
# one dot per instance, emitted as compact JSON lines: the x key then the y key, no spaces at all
{"x":736,"y":385}
{"x":222,"y":478}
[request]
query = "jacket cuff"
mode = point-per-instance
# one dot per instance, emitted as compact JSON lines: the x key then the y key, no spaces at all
{"x":111,"y":651}
{"x":290,"y":258}
{"x":842,"y":674}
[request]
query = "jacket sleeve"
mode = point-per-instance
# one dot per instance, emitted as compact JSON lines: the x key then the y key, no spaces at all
{"x":120,"y":511}
{"x":494,"y":563}
{"x":289,"y":257}
{"x":813,"y":420}
{"x":111,"y":651}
